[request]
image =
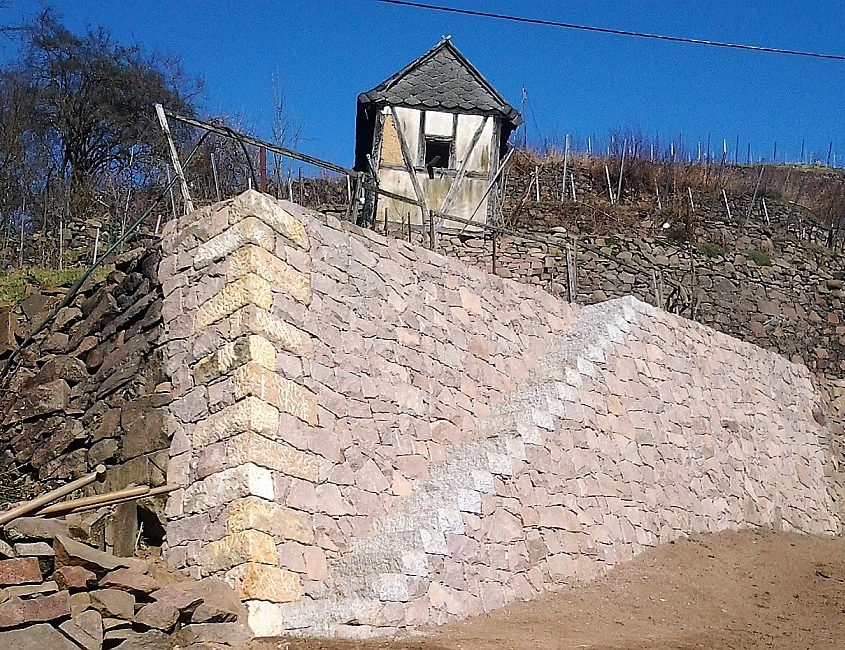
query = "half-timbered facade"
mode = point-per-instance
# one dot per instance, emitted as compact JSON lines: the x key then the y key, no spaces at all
{"x":434,"y":133}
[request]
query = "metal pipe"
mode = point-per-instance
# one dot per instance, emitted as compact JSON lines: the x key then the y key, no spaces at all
{"x":19,"y":511}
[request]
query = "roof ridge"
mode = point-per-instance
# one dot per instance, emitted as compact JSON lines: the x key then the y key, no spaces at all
{"x":501,"y":106}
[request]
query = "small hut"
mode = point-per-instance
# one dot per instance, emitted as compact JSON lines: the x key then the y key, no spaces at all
{"x":435,"y":133}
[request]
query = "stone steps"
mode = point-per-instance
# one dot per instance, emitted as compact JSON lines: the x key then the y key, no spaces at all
{"x":404,"y":540}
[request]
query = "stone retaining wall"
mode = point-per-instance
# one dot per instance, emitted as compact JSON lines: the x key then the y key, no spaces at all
{"x":371,"y":436}
{"x":793,"y":307}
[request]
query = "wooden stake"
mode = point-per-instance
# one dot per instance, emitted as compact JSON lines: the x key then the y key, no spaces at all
{"x":20,"y":250}
{"x":216,"y":179}
{"x":565,"y":165}
{"x":432,"y":241}
{"x":727,"y":205}
{"x":172,"y":196}
{"x":494,"y":252}
{"x":262,"y":169}
{"x":609,"y":186}
{"x":61,"y":243}
{"x":657,"y":288}
{"x":621,"y":172}
{"x":97,"y":245}
{"x":107,"y":499}
{"x":174,"y":156}
{"x":571,"y":274}
{"x":754,"y":197}
{"x":537,"y":186}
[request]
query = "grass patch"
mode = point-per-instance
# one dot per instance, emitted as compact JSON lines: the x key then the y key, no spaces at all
{"x":759,"y":258}
{"x":13,"y":284}
{"x":710,"y":249}
{"x":819,"y":249}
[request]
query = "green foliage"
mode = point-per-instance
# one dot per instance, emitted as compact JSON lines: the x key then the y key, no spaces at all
{"x":759,"y":258}
{"x":711,"y":249}
{"x":13,"y":284}
{"x":611,"y":241}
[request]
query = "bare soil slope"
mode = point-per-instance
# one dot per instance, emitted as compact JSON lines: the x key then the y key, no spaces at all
{"x":731,"y":590}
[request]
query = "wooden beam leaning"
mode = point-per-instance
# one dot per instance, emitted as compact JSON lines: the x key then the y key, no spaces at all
{"x":490,"y":187}
{"x":409,"y":165}
{"x":98,"y":474}
{"x":459,"y":179}
{"x":174,"y":156}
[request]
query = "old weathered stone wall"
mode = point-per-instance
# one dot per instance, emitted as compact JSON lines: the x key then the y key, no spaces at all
{"x":371,"y":436}
{"x":793,"y":307}
{"x":84,"y":391}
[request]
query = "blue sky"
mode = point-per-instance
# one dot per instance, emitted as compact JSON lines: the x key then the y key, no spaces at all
{"x":324,"y":52}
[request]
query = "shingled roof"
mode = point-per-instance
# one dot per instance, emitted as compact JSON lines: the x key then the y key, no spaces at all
{"x":442,"y":79}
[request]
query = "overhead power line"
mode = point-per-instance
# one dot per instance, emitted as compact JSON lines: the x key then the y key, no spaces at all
{"x":608,"y":30}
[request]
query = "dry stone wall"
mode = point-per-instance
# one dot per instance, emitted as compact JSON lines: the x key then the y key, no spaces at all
{"x":793,"y":307}
{"x":370,"y":436}
{"x":87,"y":390}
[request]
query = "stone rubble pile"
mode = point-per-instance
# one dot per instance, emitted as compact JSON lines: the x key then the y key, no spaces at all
{"x":57,"y":593}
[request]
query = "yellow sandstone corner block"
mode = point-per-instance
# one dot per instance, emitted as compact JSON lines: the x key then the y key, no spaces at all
{"x":287,"y":396}
{"x":280,"y":274}
{"x":251,"y":320}
{"x":232,"y":550}
{"x":248,"y":231}
{"x":254,"y":448}
{"x":237,"y":353}
{"x":253,"y":513}
{"x":266,"y":208}
{"x":250,"y":414}
{"x":248,"y":290}
{"x":263,"y":582}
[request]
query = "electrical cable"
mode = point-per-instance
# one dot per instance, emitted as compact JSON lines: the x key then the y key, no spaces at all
{"x":608,"y":30}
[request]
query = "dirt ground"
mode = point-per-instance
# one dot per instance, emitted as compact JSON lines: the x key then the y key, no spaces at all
{"x":727,"y":591}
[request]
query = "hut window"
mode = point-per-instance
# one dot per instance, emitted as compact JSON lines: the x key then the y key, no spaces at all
{"x":438,"y":152}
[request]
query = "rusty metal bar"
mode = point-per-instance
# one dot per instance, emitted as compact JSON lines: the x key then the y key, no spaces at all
{"x":284,"y":151}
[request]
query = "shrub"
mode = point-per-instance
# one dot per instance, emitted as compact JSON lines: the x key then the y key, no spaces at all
{"x":759,"y":258}
{"x":678,"y":234}
{"x":711,"y":249}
